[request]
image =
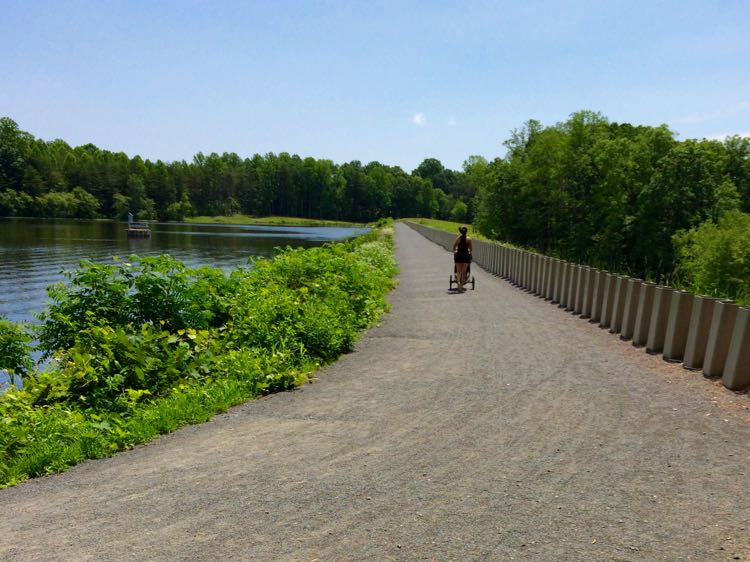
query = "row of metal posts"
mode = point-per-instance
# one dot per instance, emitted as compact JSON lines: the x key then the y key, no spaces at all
{"x":703,"y":333}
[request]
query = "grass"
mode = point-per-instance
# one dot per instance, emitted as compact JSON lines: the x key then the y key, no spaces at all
{"x":273,"y":221}
{"x":452,"y":227}
{"x":194,"y":405}
{"x":448,"y":226}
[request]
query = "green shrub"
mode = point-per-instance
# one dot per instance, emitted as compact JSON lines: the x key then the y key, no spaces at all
{"x":15,"y":351}
{"x":714,"y":259}
{"x":159,"y":291}
{"x":107,"y":365}
{"x":32,"y":435}
{"x":145,"y":346}
{"x":94,"y":294}
{"x":327,"y":325}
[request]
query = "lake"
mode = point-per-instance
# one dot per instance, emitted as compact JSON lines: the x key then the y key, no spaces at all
{"x":34,"y":252}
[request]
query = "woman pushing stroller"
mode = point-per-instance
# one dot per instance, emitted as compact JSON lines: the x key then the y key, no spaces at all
{"x":462,"y":256}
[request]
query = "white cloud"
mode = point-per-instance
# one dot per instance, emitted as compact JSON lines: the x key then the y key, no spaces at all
{"x":451,"y":121}
{"x":419,"y":119}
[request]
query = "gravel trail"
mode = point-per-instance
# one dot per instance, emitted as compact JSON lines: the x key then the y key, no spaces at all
{"x":489,"y":425}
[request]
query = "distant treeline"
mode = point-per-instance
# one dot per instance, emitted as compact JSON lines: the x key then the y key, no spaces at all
{"x":52,"y":179}
{"x":627,"y":198}
{"x":631,"y":199}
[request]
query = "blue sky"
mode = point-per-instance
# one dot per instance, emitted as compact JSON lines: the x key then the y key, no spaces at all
{"x":394,"y":81}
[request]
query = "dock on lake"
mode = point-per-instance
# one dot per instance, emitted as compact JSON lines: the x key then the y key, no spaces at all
{"x":137,"y":229}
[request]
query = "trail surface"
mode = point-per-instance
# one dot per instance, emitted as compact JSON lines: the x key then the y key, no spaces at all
{"x":489,"y":425}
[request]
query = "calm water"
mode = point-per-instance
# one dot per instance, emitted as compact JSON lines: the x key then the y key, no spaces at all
{"x":33,"y":252}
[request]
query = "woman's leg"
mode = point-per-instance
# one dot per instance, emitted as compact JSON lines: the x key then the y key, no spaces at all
{"x":461,"y":274}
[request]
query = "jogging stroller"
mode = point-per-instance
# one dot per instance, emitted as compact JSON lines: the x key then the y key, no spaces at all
{"x":454,"y":278}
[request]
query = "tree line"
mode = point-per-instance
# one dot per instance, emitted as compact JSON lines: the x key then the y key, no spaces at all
{"x":630,"y":199}
{"x":52,"y":179}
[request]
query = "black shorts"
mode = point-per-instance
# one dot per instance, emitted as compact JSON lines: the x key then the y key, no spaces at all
{"x":461,"y":258}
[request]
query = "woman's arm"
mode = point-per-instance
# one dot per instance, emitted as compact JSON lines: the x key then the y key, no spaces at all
{"x":468,"y":243}
{"x":455,"y":243}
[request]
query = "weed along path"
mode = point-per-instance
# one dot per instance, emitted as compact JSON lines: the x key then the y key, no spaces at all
{"x":488,"y":425}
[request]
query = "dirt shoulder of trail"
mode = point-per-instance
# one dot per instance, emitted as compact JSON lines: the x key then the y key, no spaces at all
{"x":488,"y":425}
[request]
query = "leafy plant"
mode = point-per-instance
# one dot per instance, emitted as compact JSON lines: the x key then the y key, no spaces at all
{"x":159,"y":291}
{"x":714,"y":258}
{"x":144,"y":346}
{"x":15,"y":351}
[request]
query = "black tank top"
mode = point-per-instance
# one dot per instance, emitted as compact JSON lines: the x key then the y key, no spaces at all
{"x":463,"y":247}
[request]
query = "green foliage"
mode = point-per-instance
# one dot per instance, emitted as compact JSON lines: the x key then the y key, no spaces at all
{"x":94,"y":294}
{"x":159,"y":291}
{"x":714,"y":258}
{"x":178,"y":211}
{"x":142,"y":206}
{"x":460,"y":212}
{"x":15,"y":351}
{"x":14,"y":146}
{"x":15,"y":204}
{"x":120,"y":206}
{"x":57,"y":204}
{"x":33,"y":437}
{"x":109,"y":367}
{"x":37,"y":178}
{"x":144,"y":346}
{"x":317,"y":298}
{"x":607,"y":194}
{"x":78,"y":203}
{"x":681,"y":193}
{"x":86,"y":205}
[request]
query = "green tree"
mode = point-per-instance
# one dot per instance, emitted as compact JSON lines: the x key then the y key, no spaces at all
{"x":33,"y":183}
{"x":681,"y":195}
{"x":15,"y":204}
{"x":87,"y":206}
{"x":141,"y":206}
{"x":738,"y":167}
{"x":459,"y":212}
{"x":714,"y":258}
{"x":356,"y":197}
{"x":58,"y":205}
{"x":160,"y":187}
{"x":14,"y":145}
{"x":380,"y":190}
{"x":178,"y":211}
{"x":15,"y":348}
{"x":121,"y":206}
